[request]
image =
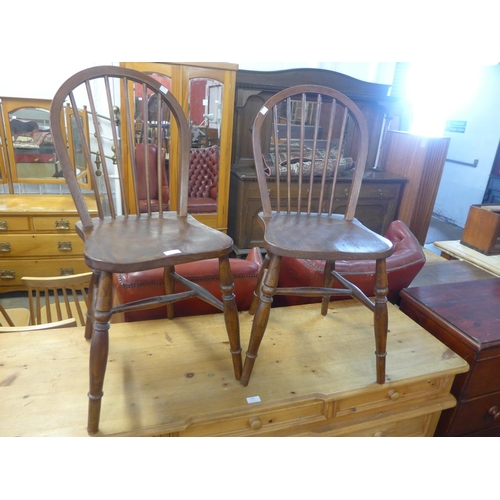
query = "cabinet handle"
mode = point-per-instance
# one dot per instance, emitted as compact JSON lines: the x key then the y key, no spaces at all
{"x":5,"y":247}
{"x":7,"y":274}
{"x":494,"y":412}
{"x":67,"y":271}
{"x":380,"y":192}
{"x":393,"y":395}
{"x":4,"y":226}
{"x":62,"y":224}
{"x":346,"y":192}
{"x":255,"y":423}
{"x":64,"y":246}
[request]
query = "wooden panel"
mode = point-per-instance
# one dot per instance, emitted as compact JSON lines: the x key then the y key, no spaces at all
{"x":38,"y":245}
{"x":174,"y":377}
{"x":421,"y":161}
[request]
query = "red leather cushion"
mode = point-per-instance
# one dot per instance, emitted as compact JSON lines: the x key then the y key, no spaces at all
{"x":134,"y":286}
{"x":402,"y":266}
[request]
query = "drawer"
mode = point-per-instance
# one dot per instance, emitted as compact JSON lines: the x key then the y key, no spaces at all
{"x":390,"y":397}
{"x":14,"y":224}
{"x":63,"y":224}
{"x":484,"y":378}
{"x":369,"y":191}
{"x":263,"y":422}
{"x":11,"y":271}
{"x":40,"y":245}
{"x":476,"y":415}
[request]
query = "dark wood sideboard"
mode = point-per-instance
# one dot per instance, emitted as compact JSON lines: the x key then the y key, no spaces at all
{"x":465,"y":317}
{"x":377,"y":205}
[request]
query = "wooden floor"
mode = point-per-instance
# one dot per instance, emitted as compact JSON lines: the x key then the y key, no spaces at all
{"x":170,"y":375}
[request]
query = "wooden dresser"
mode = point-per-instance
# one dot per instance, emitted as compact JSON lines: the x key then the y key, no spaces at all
{"x":38,"y":238}
{"x":377,"y":205}
{"x":465,"y":316}
{"x":315,"y":377}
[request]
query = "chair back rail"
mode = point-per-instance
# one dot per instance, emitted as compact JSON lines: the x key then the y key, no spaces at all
{"x":105,"y":140}
{"x":314,"y":133}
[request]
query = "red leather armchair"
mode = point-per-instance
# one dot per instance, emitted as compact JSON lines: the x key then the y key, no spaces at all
{"x":402,"y":266}
{"x":203,"y":179}
{"x":144,"y":284}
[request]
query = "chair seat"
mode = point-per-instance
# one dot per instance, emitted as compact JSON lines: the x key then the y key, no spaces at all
{"x":322,"y":237}
{"x":118,"y":245}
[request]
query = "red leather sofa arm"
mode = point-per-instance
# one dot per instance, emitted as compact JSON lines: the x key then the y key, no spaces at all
{"x":134,"y":286}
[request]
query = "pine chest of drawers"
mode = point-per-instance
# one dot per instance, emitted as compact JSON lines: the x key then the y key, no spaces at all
{"x":38,"y":238}
{"x":465,"y":317}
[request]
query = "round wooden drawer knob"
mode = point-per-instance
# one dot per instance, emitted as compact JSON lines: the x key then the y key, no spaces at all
{"x":255,"y":423}
{"x":495,"y":412}
{"x":393,"y":395}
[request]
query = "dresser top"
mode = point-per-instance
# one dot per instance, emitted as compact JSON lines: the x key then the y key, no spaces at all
{"x":248,"y":173}
{"x":472,"y":308}
{"x":13,"y":204}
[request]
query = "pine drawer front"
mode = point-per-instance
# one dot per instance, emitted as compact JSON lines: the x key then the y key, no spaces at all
{"x":10,"y":223}
{"x":40,"y":245}
{"x":260,"y":422}
{"x":12,"y":270}
{"x":393,"y":397}
{"x":55,"y":224}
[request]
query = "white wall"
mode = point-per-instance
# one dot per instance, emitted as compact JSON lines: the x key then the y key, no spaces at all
{"x":462,"y":186}
{"x":41,"y":77}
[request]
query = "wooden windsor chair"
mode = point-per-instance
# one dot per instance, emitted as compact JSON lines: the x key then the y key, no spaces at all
{"x":57,"y":298}
{"x":102,"y":122}
{"x":304,"y":138}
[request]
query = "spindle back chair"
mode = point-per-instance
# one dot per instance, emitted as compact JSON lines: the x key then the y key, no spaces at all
{"x":96,"y":128}
{"x":304,"y":138}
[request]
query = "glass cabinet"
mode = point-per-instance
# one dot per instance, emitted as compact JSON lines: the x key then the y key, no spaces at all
{"x":206,"y":93}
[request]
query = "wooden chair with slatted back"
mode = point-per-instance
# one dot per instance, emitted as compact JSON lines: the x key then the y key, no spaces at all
{"x":15,"y":316}
{"x":302,"y":134}
{"x":65,"y":323}
{"x":122,"y":239}
{"x":57,"y":298}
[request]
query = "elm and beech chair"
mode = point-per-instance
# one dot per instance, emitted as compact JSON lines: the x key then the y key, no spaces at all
{"x":93,"y":116}
{"x":301,"y":134}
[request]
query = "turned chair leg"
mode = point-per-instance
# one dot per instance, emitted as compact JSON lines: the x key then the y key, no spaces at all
{"x":256,"y":292}
{"x":169,"y":281}
{"x":327,"y":283}
{"x":231,"y":314}
{"x":381,"y":321}
{"x":99,"y":350}
{"x":261,"y":317}
{"x":89,"y":321}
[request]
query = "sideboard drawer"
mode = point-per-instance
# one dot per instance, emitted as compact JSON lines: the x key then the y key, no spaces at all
{"x":55,"y":223}
{"x":14,"y":224}
{"x":387,"y":397}
{"x":12,"y":270}
{"x":478,"y":414}
{"x":486,"y":378}
{"x":33,"y":245}
{"x":262,"y":422}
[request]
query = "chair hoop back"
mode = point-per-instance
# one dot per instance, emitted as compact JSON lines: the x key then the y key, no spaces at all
{"x":96,"y":121}
{"x":303,"y":133}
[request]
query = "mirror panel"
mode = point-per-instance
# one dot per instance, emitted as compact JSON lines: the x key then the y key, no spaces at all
{"x":33,"y":151}
{"x":205,"y":117}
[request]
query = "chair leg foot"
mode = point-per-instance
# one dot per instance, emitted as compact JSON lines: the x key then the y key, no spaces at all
{"x":261,"y":317}
{"x":231,"y":317}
